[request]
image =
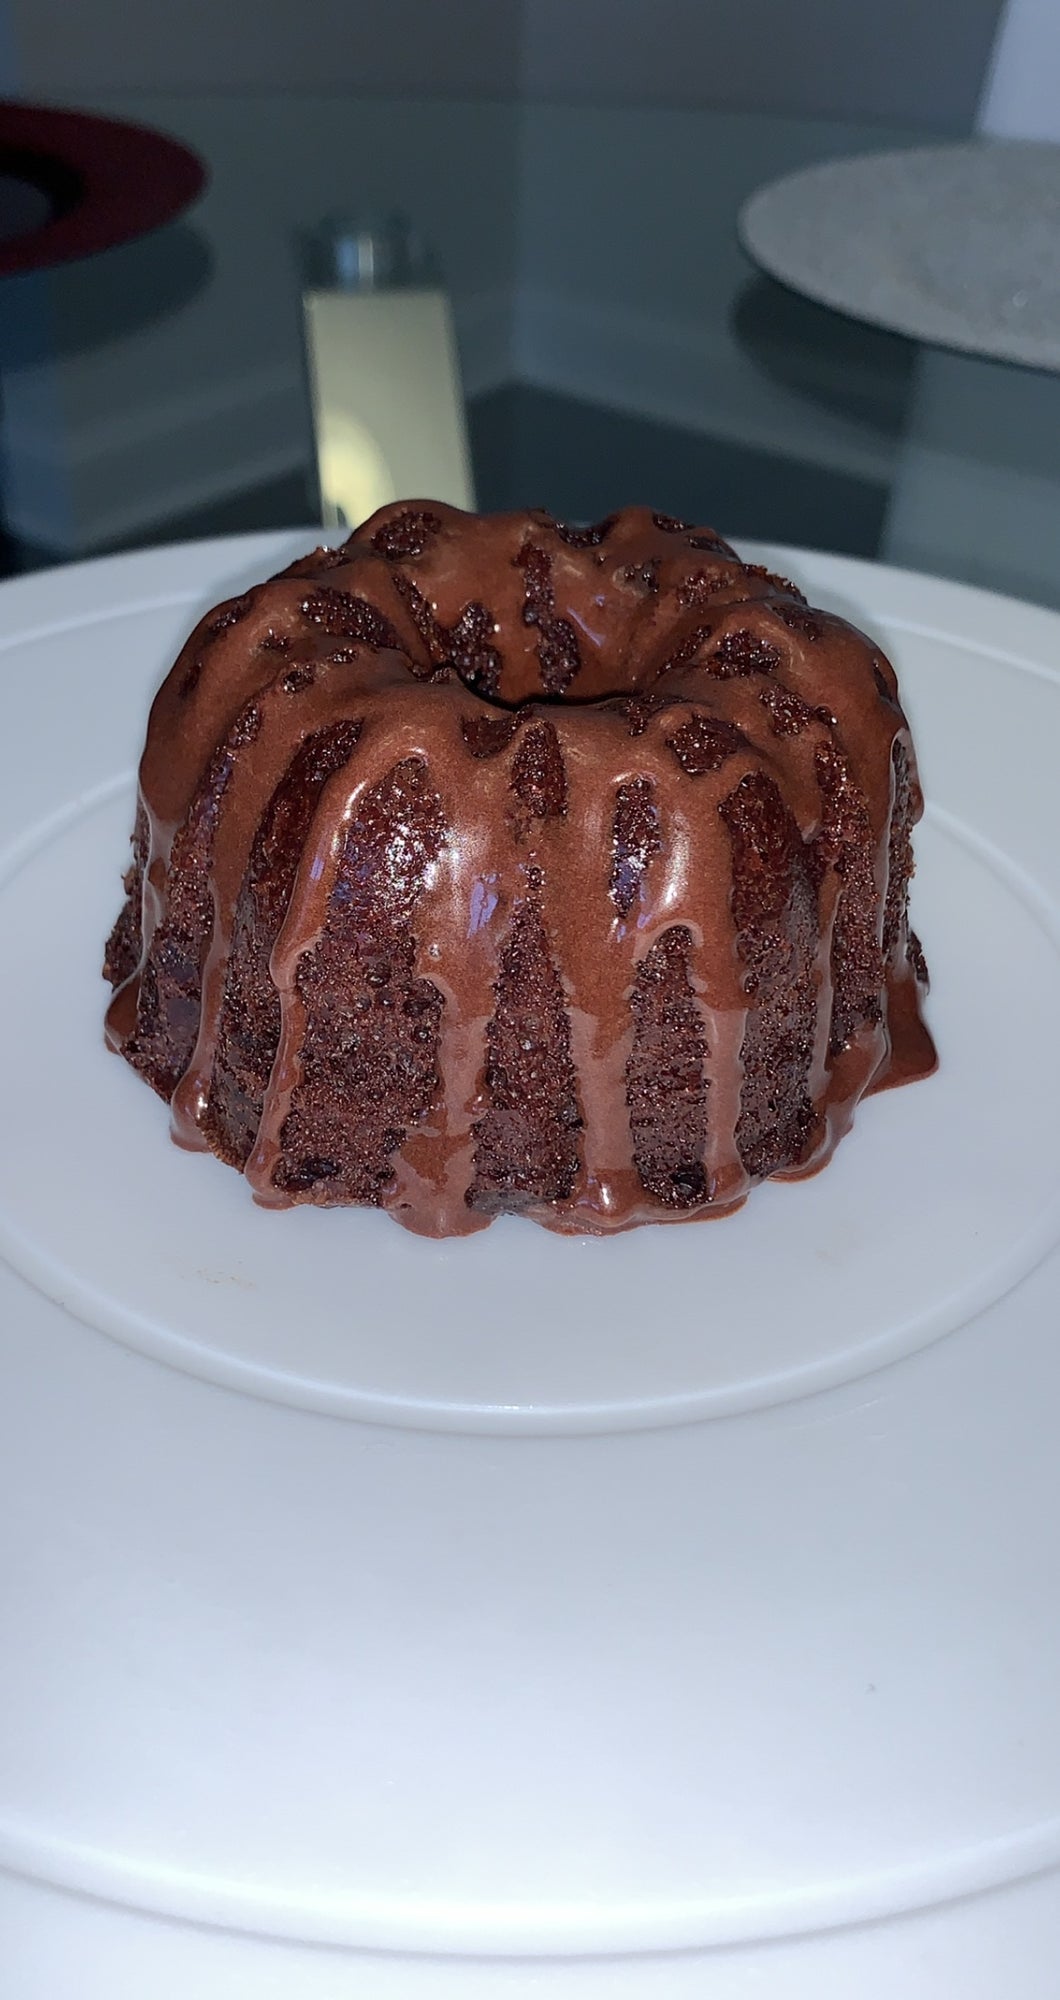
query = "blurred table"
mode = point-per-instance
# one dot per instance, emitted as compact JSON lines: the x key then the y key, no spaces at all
{"x":616,"y":342}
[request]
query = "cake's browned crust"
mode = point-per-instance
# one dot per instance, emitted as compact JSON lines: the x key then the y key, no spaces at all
{"x":249,"y":1032}
{"x":369,"y":1034}
{"x":526,"y":1141}
{"x":488,"y":863}
{"x":774,"y":906}
{"x":666,"y":1083}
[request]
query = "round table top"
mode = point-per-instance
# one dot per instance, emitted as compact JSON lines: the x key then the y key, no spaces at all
{"x":958,"y":246}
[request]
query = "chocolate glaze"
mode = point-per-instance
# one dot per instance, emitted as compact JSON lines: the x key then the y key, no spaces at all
{"x":613,"y":825}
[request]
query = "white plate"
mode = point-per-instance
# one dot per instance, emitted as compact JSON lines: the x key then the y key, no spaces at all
{"x":532,"y":1597}
{"x":955,"y":245}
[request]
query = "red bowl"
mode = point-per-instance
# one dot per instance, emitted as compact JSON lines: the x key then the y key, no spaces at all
{"x":106,"y":182}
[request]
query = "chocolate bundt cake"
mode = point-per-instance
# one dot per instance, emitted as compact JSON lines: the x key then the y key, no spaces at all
{"x":488,"y":864}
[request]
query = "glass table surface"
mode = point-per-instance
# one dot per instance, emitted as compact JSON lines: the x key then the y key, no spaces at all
{"x":615,"y":341}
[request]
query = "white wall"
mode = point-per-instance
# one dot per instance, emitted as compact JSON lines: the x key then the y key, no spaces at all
{"x":9,"y":79}
{"x":1021,"y":97}
{"x":461,"y":48}
{"x":903,"y":61}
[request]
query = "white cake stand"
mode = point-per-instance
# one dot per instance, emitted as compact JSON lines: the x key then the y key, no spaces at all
{"x":675,"y":1615}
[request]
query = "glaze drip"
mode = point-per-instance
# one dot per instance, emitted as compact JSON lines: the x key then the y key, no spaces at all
{"x":476,"y":867}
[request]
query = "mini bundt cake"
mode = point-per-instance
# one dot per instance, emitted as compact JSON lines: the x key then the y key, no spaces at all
{"x":486,"y":863}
